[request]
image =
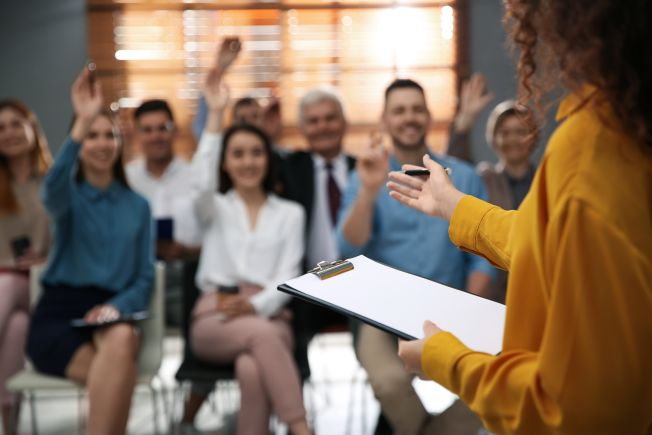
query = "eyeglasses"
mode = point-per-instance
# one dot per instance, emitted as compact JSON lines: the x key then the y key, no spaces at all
{"x":162,"y":128}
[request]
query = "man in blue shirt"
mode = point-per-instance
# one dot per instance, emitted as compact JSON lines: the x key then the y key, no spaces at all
{"x":373,"y":224}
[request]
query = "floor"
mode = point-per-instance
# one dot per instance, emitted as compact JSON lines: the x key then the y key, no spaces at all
{"x":338,"y":399}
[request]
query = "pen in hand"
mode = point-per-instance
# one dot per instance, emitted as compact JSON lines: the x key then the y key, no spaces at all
{"x":423,"y":172}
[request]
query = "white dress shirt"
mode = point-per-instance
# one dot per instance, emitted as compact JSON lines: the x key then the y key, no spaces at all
{"x":168,"y":197}
{"x":233,"y":252}
{"x":322,"y":245}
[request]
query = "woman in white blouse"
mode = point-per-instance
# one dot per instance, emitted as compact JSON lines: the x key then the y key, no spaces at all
{"x":253,"y":240}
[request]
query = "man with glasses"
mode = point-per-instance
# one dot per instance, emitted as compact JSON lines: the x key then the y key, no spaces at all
{"x":164,"y":179}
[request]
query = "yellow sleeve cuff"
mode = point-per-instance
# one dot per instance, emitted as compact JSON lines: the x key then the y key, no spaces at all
{"x":465,"y":222}
{"x":440,"y":354}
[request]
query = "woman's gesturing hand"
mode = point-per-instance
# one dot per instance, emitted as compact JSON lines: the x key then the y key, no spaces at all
{"x":435,"y":196}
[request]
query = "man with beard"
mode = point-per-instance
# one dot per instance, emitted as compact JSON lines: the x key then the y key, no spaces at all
{"x":164,"y":180}
{"x":375,"y":225}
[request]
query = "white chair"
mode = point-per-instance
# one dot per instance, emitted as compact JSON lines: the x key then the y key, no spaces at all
{"x":149,"y":359}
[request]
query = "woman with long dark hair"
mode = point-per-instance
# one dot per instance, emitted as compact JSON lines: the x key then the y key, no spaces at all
{"x":576,"y":355}
{"x":24,"y":232}
{"x":253,"y":240}
{"x":101,"y":265}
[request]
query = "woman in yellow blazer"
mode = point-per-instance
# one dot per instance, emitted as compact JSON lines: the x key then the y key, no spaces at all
{"x":577,"y":347}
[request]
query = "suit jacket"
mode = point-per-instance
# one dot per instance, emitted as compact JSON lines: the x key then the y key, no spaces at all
{"x":297,"y":174}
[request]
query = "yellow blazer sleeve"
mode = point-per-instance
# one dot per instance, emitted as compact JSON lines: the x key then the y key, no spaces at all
{"x":483,"y":229}
{"x":591,"y":374}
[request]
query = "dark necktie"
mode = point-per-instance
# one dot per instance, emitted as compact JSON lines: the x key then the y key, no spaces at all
{"x":334,"y":194}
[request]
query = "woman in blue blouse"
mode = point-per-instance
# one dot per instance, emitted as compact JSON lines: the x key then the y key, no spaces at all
{"x":101,"y":265}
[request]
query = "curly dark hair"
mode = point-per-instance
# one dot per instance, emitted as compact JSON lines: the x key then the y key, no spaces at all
{"x":603,"y":43}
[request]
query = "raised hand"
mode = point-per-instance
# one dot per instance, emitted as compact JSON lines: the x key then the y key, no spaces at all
{"x":86,"y":96}
{"x":373,"y":164}
{"x":434,"y":196}
{"x":216,"y":92}
{"x":228,"y":52}
{"x":473,"y":99}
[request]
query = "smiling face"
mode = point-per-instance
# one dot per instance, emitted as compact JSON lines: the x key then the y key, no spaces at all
{"x":511,"y":141}
{"x":406,"y":117}
{"x":323,"y":125}
{"x":17,"y":137}
{"x":245,"y":160}
{"x":100,"y":148}
{"x":156,"y":133}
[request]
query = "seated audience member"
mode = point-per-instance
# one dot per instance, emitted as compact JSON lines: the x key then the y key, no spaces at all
{"x":373,"y":224}
{"x":100,"y":265}
{"x":253,"y":240}
{"x":246,"y":110}
{"x":315,"y":179}
{"x":506,"y":133}
{"x":474,"y":97}
{"x":509,"y":180}
{"x":164,"y":180}
{"x":24,"y":232}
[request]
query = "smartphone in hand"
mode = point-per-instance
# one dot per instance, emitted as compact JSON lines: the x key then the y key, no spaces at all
{"x":165,"y":229}
{"x":124,"y":318}
{"x":20,"y":245}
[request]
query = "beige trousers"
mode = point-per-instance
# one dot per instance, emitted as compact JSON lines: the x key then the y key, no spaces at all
{"x":392,"y":386}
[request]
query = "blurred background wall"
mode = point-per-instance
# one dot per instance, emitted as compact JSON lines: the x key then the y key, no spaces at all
{"x":44,"y":44}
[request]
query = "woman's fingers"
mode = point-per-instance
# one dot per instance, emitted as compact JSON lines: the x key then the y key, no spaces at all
{"x":406,"y":191}
{"x":431,"y":165}
{"x":405,"y":200}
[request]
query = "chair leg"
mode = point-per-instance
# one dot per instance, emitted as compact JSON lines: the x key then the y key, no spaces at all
{"x":164,"y":398}
{"x":363,"y":410}
{"x":350,"y":410}
{"x":155,"y":409}
{"x":32,"y":411}
{"x":310,"y":390}
{"x":176,"y":391}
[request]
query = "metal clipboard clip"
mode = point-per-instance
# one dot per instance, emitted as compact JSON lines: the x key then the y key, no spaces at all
{"x":329,"y":269}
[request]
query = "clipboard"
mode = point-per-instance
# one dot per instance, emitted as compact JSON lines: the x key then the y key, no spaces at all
{"x":398,"y":303}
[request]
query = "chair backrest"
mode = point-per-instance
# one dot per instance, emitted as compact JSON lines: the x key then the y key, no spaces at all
{"x":153,"y":328}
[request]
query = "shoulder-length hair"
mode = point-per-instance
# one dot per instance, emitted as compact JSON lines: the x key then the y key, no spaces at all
{"x":269,"y":181}
{"x":602,"y":43}
{"x":40,"y":156}
{"x":118,"y":166}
